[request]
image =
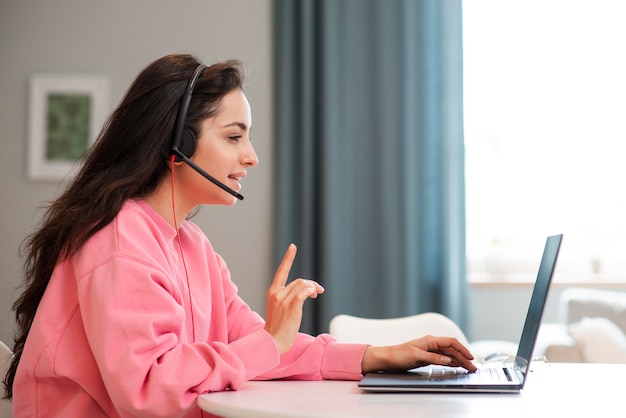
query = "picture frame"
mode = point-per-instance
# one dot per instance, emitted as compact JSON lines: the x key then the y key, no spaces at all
{"x":66,"y":113}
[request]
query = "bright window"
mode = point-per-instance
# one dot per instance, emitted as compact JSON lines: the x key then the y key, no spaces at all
{"x":545,"y":132}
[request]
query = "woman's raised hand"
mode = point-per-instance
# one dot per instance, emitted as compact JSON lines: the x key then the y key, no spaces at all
{"x":285,"y":301}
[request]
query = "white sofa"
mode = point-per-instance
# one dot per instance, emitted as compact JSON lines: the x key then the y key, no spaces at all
{"x":591,"y":328}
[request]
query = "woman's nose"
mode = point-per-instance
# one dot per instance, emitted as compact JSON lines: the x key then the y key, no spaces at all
{"x":250,"y":159}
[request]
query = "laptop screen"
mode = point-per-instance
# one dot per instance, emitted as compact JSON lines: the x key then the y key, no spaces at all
{"x":537,"y":303}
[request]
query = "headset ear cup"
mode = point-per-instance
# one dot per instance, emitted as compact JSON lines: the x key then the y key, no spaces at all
{"x":187,"y":143}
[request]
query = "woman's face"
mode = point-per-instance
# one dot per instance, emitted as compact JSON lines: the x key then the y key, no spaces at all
{"x":224,"y":150}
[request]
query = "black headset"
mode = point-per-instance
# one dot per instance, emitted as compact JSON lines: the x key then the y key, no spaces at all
{"x":183,"y":139}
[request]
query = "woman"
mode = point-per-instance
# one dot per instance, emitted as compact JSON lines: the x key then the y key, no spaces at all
{"x":127,"y":311}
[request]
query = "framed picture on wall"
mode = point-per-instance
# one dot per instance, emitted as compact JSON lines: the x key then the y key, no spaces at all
{"x":66,"y":113}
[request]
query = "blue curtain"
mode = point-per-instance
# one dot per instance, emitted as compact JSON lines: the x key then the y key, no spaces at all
{"x":369,"y":155}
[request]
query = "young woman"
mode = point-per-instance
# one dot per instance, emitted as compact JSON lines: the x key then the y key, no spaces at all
{"x":127,"y":310}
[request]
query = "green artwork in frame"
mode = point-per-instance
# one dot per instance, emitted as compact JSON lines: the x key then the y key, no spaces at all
{"x":66,"y":112}
{"x":67,"y":133}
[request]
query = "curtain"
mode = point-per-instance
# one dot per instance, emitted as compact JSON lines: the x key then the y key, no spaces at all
{"x":369,"y":173}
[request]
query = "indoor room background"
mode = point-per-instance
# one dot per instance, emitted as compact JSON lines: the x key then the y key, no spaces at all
{"x":117,"y":39}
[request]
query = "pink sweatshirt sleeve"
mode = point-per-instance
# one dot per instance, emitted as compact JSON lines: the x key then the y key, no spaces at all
{"x":317,"y":358}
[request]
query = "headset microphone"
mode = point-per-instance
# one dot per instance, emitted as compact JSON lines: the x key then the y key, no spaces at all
{"x":183,"y":142}
{"x":206,"y":175}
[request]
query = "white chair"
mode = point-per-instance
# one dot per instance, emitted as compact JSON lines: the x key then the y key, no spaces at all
{"x":5,"y":357}
{"x":391,"y":331}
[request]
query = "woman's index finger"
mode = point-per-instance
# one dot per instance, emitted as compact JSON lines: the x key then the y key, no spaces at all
{"x":282,"y":273}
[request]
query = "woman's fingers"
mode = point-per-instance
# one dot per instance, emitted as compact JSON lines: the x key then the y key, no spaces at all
{"x":301,"y":289}
{"x":449,"y":351}
{"x":282,"y":273}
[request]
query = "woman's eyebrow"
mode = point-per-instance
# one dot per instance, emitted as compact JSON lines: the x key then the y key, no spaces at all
{"x":241,"y":125}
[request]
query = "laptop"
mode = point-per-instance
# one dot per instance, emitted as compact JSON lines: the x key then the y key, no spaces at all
{"x":496,"y":379}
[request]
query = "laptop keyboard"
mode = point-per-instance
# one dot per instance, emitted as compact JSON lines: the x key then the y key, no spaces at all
{"x":484,"y":374}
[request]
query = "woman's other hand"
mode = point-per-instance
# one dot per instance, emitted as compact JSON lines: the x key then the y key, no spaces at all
{"x":416,"y":353}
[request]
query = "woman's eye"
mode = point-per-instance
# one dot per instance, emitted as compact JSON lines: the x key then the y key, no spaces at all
{"x":234,"y":138}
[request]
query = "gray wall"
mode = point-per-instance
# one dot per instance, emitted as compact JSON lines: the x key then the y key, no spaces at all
{"x":119,"y":38}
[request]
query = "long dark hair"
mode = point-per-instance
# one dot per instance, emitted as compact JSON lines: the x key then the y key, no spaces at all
{"x":128,"y":160}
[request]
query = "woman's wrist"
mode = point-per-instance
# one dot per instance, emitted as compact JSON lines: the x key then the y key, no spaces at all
{"x":373,"y":359}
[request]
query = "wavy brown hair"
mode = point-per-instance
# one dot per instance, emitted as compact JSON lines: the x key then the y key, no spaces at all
{"x":128,"y":160}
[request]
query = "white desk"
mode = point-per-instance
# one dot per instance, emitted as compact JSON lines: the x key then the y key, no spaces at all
{"x":551,"y":390}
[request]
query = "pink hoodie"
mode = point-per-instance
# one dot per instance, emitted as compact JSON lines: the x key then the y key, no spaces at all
{"x":123,"y":331}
